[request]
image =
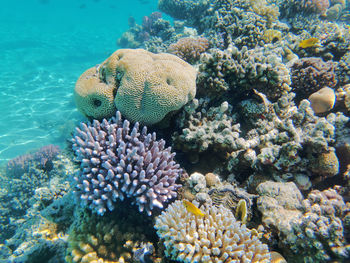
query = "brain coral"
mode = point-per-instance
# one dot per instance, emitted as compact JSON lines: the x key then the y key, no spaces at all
{"x":93,"y":97}
{"x":215,"y":237}
{"x":147,"y":86}
{"x":118,"y":163}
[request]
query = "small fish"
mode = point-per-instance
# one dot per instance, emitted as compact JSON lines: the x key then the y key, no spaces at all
{"x":310,"y":42}
{"x":192,"y":208}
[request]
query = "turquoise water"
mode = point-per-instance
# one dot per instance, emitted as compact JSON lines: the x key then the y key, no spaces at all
{"x":44,"y":47}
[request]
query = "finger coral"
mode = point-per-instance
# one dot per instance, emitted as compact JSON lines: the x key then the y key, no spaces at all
{"x":215,"y":237}
{"x":144,"y":86}
{"x":119,"y":162}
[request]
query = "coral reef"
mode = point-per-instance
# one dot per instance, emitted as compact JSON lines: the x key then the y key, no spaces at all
{"x":32,"y":190}
{"x":238,"y":72}
{"x":216,"y":236}
{"x":119,"y":162}
{"x":113,"y":238}
{"x":322,"y":100}
{"x":191,"y":10}
{"x":146,"y":86}
{"x":189,"y":49}
{"x":42,"y":158}
{"x":312,"y":74}
{"x":308,"y":229}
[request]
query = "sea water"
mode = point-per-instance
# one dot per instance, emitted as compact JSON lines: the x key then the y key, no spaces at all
{"x":45,"y":45}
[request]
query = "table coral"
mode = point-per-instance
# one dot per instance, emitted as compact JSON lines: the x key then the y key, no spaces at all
{"x":215,"y":237}
{"x":119,"y":162}
{"x":146,"y":86}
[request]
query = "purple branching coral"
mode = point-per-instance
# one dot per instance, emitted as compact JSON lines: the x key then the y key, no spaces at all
{"x":42,"y":158}
{"x":118,"y":162}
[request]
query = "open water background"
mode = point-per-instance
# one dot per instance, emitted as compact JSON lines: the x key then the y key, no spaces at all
{"x":44,"y":47}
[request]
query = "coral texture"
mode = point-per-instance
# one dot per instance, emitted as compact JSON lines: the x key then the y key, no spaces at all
{"x":147,"y":86}
{"x":187,"y":9}
{"x":42,"y":158}
{"x":119,"y":162}
{"x":189,"y":49}
{"x":312,"y":74}
{"x":241,"y":71}
{"x":93,"y":97}
{"x":322,"y":100}
{"x":111,"y":239}
{"x":215,"y":237}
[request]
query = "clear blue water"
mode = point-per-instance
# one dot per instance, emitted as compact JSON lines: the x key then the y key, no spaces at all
{"x":44,"y":47}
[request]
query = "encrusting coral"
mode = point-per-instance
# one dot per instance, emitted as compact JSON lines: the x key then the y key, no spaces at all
{"x":214,"y":237}
{"x":144,"y":86}
{"x":120,"y":162}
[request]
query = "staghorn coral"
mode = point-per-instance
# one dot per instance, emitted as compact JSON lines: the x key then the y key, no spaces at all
{"x":148,"y":86}
{"x":189,"y":49}
{"x":215,"y":237}
{"x":119,"y":162}
{"x":241,"y":71}
{"x":109,"y":239}
{"x":311,"y":74}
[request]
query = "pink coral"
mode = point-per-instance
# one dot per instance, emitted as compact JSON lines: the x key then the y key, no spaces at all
{"x":319,"y":6}
{"x":189,"y":49}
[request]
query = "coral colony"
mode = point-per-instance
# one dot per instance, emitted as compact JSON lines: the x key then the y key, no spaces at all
{"x":119,"y":162}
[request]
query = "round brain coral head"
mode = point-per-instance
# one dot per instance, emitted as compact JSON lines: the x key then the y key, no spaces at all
{"x":122,"y":163}
{"x":94,"y":98}
{"x":149,"y":86}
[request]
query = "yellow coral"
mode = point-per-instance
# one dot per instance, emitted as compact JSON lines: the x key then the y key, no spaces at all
{"x":261,"y":7}
{"x":147,"y":86}
{"x":93,"y":97}
{"x":104,"y":240}
{"x":326,"y":164}
{"x":271,"y":35}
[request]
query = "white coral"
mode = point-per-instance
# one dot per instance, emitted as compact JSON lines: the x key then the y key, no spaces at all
{"x":215,"y":237}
